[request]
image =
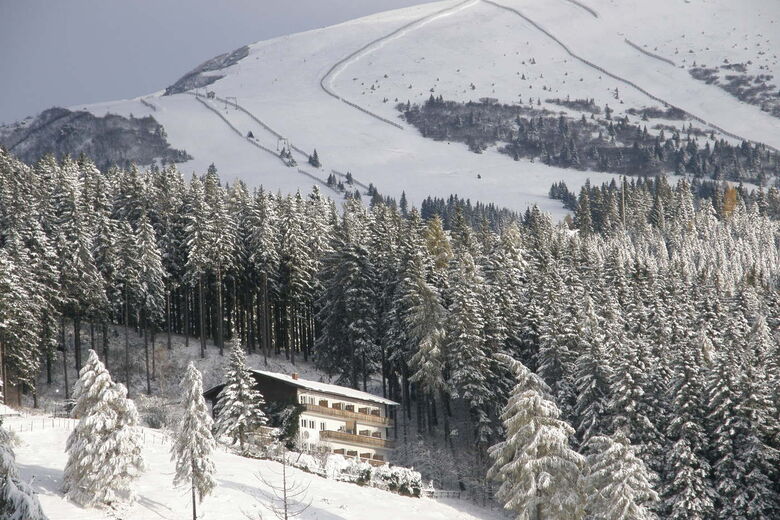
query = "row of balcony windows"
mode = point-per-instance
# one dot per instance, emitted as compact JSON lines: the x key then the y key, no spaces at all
{"x":311,"y":424}
{"x":307,"y":399}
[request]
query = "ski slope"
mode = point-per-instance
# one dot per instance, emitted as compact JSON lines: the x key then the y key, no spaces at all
{"x":239,"y":493}
{"x":335,"y":89}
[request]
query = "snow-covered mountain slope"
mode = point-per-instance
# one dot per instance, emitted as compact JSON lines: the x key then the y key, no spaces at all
{"x":239,"y":492}
{"x":335,"y":89}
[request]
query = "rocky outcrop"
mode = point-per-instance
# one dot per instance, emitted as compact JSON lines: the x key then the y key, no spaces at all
{"x":197,"y":77}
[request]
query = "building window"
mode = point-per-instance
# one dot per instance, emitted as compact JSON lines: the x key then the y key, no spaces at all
{"x":311,"y":400}
{"x":303,"y":399}
{"x":303,"y":423}
{"x":322,"y":426}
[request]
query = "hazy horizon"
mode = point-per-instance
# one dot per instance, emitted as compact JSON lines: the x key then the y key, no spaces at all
{"x":87,"y":51}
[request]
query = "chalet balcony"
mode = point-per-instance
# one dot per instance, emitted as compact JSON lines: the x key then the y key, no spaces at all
{"x":361,"y":418}
{"x":351,"y":438}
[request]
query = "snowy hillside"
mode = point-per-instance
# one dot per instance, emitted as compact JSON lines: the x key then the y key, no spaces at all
{"x":335,"y":89}
{"x":41,"y":456}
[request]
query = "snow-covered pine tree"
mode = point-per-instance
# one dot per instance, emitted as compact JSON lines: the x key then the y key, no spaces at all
{"x":425,"y":322}
{"x":128,"y":280}
{"x":199,"y":236}
{"x":18,"y":501}
{"x":466,"y":346}
{"x":221,"y":248}
{"x":151,"y":286}
{"x":347,"y":304}
{"x":296,"y":269}
{"x":592,"y":377}
{"x":264,"y":259}
{"x":20,"y":310}
{"x":742,"y":464}
{"x":689,"y":494}
{"x":558,"y":336}
{"x":194,"y":443}
{"x":617,"y":483}
{"x":81,"y":282}
{"x":314,"y":159}
{"x":239,"y":407}
{"x":104,"y":449}
{"x":539,"y":472}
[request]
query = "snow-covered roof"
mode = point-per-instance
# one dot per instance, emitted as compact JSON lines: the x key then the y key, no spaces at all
{"x":327,"y":388}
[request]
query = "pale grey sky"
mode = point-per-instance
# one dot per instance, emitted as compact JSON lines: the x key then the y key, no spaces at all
{"x":66,"y":52}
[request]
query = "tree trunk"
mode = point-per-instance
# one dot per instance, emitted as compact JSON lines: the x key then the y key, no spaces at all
{"x":154,"y":359}
{"x":264,"y":321}
{"x":365,"y":372}
{"x":127,"y":343}
{"x":202,"y":310}
{"x":446,"y":418}
{"x":146,"y":354}
{"x":220,"y":317}
{"x":168,"y":316}
{"x":383,"y":367}
{"x":186,"y":318}
{"x":64,"y":356}
{"x":77,"y":340}
{"x":105,"y":344}
{"x":290,"y":333}
{"x":261,"y":327}
{"x":249,"y":305}
{"x":194,"y":502}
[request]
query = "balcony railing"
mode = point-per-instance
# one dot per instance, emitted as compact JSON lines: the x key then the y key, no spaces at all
{"x":362,"y":440}
{"x":361,"y":418}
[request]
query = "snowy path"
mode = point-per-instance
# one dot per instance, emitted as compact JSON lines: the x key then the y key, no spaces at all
{"x":327,"y":80}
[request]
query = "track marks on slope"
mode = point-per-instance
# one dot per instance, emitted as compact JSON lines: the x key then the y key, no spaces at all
{"x":236,"y":130}
{"x":327,"y":80}
{"x":585,"y":7}
{"x":620,"y":78}
{"x":260,"y":146}
{"x":648,"y":53}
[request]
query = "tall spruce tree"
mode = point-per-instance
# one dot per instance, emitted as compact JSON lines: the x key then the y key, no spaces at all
{"x":194,"y":443}
{"x":539,"y":472}
{"x":151,"y":287}
{"x":239,"y":407}
{"x":466,"y":344}
{"x":617,"y":483}
{"x":104,"y":448}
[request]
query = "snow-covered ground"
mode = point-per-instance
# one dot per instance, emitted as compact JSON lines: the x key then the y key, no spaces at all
{"x":239,"y":493}
{"x":461,"y":50}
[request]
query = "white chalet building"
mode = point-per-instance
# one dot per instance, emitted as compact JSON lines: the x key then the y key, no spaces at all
{"x":333,"y":418}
